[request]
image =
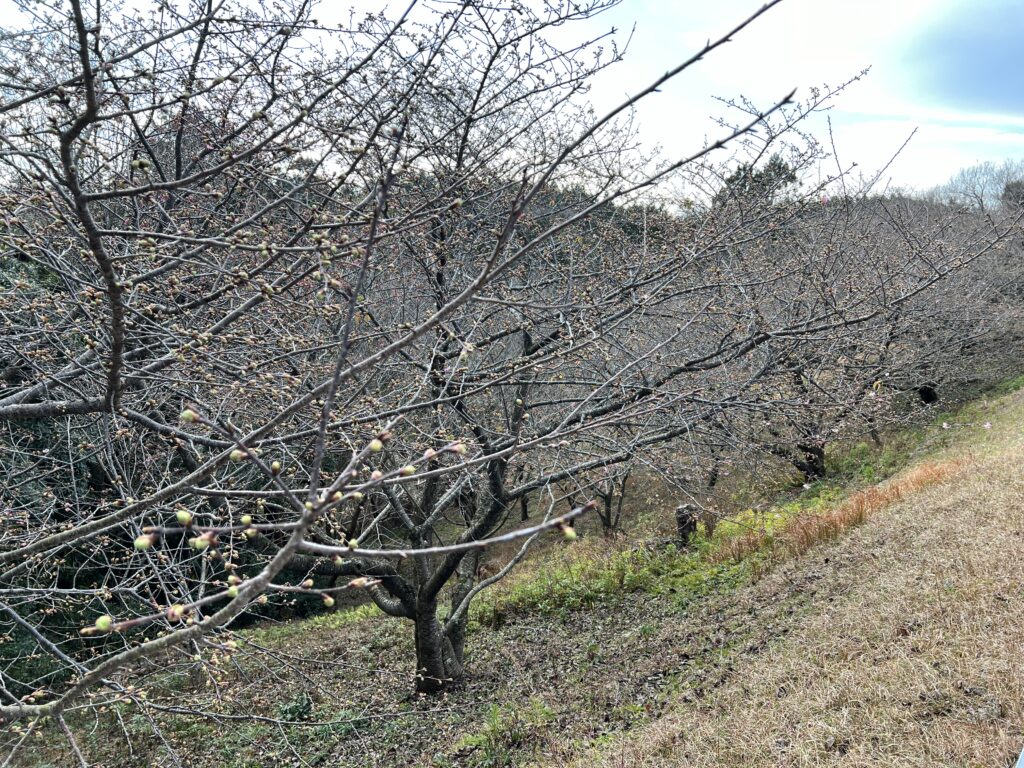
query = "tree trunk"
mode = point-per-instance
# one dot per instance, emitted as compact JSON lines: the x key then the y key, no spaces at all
{"x":686,"y":523}
{"x":875,"y":437}
{"x":811,"y":462}
{"x":438,"y":665}
{"x":469,"y":568}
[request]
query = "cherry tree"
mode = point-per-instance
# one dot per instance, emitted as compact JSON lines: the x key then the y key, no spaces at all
{"x":295,"y":311}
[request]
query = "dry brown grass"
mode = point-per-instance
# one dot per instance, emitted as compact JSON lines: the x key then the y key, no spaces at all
{"x":910,"y":653}
{"x":807,"y":529}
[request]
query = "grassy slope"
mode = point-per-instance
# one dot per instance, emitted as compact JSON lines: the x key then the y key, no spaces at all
{"x":909,"y":653}
{"x":554,"y":679}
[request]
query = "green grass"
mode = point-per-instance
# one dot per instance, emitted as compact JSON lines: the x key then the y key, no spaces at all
{"x":1006,"y":387}
{"x":506,"y":731}
{"x":865,"y":462}
{"x":590,"y":577}
{"x":282,"y":633}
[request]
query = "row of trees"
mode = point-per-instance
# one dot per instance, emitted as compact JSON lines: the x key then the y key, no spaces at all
{"x":984,"y":187}
{"x":292,"y":311}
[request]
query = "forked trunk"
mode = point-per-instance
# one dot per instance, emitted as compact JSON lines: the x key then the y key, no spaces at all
{"x":438,"y":665}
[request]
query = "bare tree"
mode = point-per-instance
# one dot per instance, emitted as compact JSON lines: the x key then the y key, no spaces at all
{"x":290,"y":308}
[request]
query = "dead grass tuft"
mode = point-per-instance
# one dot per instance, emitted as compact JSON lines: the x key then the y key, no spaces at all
{"x":806,"y":529}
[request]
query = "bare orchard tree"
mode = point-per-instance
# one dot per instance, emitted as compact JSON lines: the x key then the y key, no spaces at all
{"x":284,"y":302}
{"x":291,"y":312}
{"x":979,"y":187}
{"x":852,"y":384}
{"x":831,"y":243}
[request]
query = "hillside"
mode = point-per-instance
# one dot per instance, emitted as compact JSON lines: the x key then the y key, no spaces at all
{"x":893,"y":644}
{"x":375,"y":390}
{"x":908,"y":649}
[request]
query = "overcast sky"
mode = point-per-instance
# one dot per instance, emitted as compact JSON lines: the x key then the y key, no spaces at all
{"x":953,"y":69}
{"x":950,"y":68}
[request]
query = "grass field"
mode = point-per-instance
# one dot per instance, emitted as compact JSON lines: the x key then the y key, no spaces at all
{"x":909,"y":652}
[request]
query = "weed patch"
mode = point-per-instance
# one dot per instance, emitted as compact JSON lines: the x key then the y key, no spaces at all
{"x":506,"y":732}
{"x":280,"y":634}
